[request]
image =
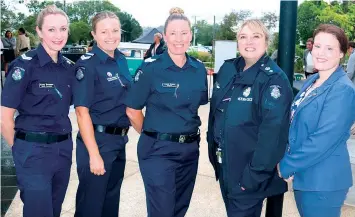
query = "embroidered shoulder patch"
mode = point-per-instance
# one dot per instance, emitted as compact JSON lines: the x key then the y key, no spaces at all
{"x":79,"y":74}
{"x":275,"y":91}
{"x":18,"y":73}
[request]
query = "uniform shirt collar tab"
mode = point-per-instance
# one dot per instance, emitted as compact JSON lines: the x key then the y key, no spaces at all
{"x":44,"y":57}
{"x":104,"y":56}
{"x":248,"y":76}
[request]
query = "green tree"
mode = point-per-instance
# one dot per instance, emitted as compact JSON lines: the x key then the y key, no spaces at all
{"x":8,"y":17}
{"x":79,"y":31}
{"x":270,"y":20}
{"x":231,"y":22}
{"x":313,"y":13}
{"x":83,"y":12}
{"x":204,"y":33}
{"x":307,"y":20}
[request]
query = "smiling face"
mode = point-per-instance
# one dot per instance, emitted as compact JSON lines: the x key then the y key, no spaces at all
{"x":178,"y":36}
{"x":326,"y":52}
{"x":54,"y":32}
{"x":251,"y":43}
{"x":107,"y":34}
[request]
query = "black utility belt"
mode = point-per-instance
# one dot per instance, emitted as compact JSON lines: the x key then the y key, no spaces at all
{"x":42,"y":137}
{"x":180,"y":138}
{"x":111,"y":130}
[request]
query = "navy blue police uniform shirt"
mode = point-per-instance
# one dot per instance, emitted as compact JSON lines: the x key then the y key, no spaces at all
{"x":41,"y":91}
{"x":171,"y":95}
{"x":101,"y":85}
{"x":223,"y":106}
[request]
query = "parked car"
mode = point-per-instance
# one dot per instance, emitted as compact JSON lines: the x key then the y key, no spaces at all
{"x":134,"y":53}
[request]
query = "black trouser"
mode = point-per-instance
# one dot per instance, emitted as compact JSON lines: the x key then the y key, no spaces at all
{"x":274,"y":206}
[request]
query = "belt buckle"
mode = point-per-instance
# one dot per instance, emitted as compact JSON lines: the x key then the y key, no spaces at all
{"x":123,"y":132}
{"x":182,"y":138}
{"x":100,"y":129}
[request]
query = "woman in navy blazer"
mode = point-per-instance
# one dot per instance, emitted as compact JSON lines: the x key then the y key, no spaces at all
{"x":317,"y":158}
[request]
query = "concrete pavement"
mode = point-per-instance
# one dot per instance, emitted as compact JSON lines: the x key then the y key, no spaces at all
{"x":206,"y":200}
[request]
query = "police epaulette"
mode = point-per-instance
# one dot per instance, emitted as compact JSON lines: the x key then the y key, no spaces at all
{"x":267,"y":69}
{"x":69,"y":61}
{"x":149,"y":60}
{"x":86,"y":56}
{"x":28,"y":55}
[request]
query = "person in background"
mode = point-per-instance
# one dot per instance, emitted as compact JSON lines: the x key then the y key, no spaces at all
{"x":317,"y":158}
{"x":307,"y":59}
{"x":157,"y":47}
{"x":9,"y":44}
{"x":39,"y":87}
{"x":101,"y":84}
{"x":350,"y":68}
{"x":22,"y":42}
{"x":171,"y":86}
{"x":248,"y":124}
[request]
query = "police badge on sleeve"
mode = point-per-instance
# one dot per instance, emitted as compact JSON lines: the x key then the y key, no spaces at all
{"x":18,"y":73}
{"x":79,"y":74}
{"x":275,"y":91}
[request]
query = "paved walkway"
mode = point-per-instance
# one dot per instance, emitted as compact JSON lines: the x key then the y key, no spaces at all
{"x":206,"y":200}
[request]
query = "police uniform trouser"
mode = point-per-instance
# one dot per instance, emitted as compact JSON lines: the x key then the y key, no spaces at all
{"x":42,"y":172}
{"x":240,"y":206}
{"x":169,"y":172}
{"x":99,"y":196}
{"x":320,"y":203}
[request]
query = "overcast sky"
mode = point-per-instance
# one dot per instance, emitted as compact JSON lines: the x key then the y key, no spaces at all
{"x":154,"y":12}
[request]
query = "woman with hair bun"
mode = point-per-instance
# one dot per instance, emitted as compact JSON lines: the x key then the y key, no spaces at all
{"x":171,"y":86}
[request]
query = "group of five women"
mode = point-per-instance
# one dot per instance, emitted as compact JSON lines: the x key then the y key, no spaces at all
{"x":258,"y":139}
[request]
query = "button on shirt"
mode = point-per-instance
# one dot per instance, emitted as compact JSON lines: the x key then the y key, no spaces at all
{"x":41,"y":91}
{"x":101,"y":85}
{"x":172,"y":95}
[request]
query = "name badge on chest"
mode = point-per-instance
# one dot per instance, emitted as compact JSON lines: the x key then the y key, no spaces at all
{"x":170,"y":85}
{"x":111,"y":77}
{"x":46,"y":85}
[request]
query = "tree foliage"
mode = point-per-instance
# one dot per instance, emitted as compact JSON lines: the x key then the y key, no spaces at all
{"x":231,"y":22}
{"x":204,"y":33}
{"x":80,"y":14}
{"x":313,"y":13}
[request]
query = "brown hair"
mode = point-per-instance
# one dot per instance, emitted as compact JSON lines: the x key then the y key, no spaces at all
{"x":176,"y":14}
{"x":337,"y":32}
{"x":310,"y":40}
{"x":351,"y":44}
{"x":103,"y":15}
{"x":50,"y":9}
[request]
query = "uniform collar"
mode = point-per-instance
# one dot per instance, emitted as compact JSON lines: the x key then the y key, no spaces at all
{"x":167,"y":61}
{"x":104,"y":56}
{"x":44,"y":57}
{"x":248,"y":76}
